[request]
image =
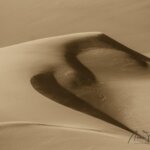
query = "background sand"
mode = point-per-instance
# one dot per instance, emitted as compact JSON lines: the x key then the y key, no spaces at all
{"x":125,"y":20}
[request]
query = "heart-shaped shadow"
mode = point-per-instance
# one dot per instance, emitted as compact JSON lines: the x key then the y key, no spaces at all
{"x":47,"y":84}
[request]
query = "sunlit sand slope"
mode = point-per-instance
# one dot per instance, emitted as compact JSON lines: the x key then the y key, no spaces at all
{"x":84,"y":80}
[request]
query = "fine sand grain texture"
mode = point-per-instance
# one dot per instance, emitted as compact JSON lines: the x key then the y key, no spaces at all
{"x":77,"y":91}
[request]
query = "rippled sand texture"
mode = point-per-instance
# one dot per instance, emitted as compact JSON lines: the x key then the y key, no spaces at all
{"x":63,"y":91}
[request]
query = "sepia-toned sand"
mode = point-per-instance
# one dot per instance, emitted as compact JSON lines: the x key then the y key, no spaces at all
{"x":65,"y":86}
{"x":124,"y":20}
{"x":84,"y":81}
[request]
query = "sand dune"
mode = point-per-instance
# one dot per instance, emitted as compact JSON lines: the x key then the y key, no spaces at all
{"x":80,"y":90}
{"x":84,"y":81}
{"x":47,"y":84}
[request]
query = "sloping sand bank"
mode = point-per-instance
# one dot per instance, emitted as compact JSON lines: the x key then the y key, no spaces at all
{"x":37,"y":136}
{"x":104,"y":84}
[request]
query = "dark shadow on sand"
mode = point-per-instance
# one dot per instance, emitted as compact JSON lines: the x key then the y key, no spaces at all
{"x":47,"y":84}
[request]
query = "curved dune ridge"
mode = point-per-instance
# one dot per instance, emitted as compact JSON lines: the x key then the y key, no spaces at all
{"x":43,"y":136}
{"x":84,"y":90}
{"x":7,"y":125}
{"x":47,"y":84}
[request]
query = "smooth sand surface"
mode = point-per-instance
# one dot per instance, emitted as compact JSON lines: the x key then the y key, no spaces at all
{"x":77,"y":91}
{"x":84,"y":81}
{"x":124,"y":20}
{"x":35,"y":136}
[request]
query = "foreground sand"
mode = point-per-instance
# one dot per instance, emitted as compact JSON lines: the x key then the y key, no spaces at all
{"x":35,"y":136}
{"x":73,"y":86}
